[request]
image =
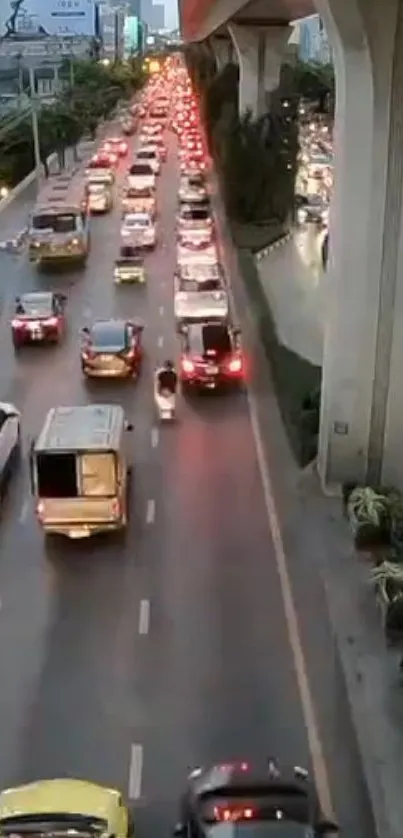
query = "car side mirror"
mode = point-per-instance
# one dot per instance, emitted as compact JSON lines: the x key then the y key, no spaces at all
{"x":128,"y":426}
{"x":179,"y":830}
{"x":326,"y":827}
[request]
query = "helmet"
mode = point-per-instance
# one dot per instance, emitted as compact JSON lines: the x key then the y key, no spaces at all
{"x":169,"y":365}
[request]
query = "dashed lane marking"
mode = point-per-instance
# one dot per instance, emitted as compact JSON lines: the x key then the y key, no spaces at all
{"x":150,"y":515}
{"x":161,"y":310}
{"x":144,"y":616}
{"x":160,"y":341}
{"x":135,"y":771}
{"x":155,"y":436}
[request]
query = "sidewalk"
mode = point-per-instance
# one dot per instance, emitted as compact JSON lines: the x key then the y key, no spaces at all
{"x":292,"y":277}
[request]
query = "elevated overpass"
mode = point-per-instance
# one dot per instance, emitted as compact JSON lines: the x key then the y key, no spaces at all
{"x":362,"y":390}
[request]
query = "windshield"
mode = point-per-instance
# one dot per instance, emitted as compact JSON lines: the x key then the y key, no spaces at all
{"x":58,"y":823}
{"x":134,"y":193}
{"x":35,"y":304}
{"x":195,"y":215}
{"x":272,"y":828}
{"x":57,"y":222}
{"x":146,"y":155}
{"x":138,"y":169}
{"x":195,"y":182}
{"x":200,"y":272}
{"x":192,"y":285}
{"x":136,"y":221}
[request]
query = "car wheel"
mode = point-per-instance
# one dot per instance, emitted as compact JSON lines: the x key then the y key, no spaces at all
{"x":130,"y":824}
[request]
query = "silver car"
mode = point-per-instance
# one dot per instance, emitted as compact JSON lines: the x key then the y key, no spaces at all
{"x":138,"y":230}
{"x":192,"y":189}
{"x":200,"y":294}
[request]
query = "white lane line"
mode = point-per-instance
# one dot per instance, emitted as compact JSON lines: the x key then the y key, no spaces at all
{"x":290,"y":611}
{"x":87,"y":313}
{"x":24,"y":512}
{"x":155,"y":436}
{"x":150,"y":516}
{"x":161,"y":310}
{"x":160,"y":341}
{"x":144,"y":616}
{"x":135,"y":771}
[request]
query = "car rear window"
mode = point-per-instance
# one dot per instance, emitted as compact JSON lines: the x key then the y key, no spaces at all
{"x":111,"y":336}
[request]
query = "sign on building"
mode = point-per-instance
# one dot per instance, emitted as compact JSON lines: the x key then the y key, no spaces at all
{"x":49,"y":17}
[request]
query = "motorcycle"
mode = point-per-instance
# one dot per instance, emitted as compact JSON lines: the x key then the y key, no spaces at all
{"x":165,"y":403}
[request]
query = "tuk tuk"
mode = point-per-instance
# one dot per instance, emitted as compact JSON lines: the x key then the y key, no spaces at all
{"x":129,"y":267}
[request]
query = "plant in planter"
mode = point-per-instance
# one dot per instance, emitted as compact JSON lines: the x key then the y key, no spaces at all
{"x":369,"y":516}
{"x":388,"y":581}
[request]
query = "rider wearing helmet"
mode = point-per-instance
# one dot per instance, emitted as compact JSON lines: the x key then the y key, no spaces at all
{"x":167,"y":378}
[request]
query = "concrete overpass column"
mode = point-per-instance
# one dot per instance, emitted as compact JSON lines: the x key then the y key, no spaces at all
{"x":362,"y":390}
{"x":260,"y":53}
{"x":222,"y":49}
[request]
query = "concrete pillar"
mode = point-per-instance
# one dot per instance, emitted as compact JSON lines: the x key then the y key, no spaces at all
{"x":362,"y":389}
{"x":222,"y":49}
{"x":260,"y":53}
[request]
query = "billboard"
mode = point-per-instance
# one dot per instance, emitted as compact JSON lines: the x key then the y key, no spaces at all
{"x":47,"y":17}
{"x":131,"y":35}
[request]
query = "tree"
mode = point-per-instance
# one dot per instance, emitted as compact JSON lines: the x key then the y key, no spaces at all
{"x":316,"y":83}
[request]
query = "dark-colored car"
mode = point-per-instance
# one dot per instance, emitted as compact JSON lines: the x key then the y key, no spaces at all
{"x":38,"y":317}
{"x":241,"y":801}
{"x":112,"y":349}
{"x":211,"y":356}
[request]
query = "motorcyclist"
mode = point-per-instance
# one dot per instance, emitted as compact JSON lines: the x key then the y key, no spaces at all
{"x":167,"y":379}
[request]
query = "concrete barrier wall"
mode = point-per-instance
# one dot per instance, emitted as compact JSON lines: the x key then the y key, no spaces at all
{"x":23,"y":184}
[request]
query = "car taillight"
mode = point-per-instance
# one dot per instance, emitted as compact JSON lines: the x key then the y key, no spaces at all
{"x":235,"y":365}
{"x":187,"y":366}
{"x":123,"y":148}
{"x":116,"y":508}
{"x":130,"y":353}
{"x":17,"y":324}
{"x":50,"y":321}
{"x":40,"y":509}
{"x":87,"y":353}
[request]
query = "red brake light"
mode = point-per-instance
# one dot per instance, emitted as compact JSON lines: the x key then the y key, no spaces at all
{"x":17,"y":324}
{"x":40,"y":509}
{"x":235,"y":366}
{"x":187,"y":366}
{"x":50,"y":321}
{"x":116,"y":508}
{"x":233,"y":814}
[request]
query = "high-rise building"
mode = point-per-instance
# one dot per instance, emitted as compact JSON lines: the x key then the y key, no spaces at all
{"x":313,"y":43}
{"x":153,"y":14}
{"x":111,"y":25}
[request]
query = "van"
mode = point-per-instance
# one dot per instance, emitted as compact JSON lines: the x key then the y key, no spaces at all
{"x":80,"y":470}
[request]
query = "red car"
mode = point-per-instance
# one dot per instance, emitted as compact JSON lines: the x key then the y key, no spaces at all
{"x":211,"y":356}
{"x":116,"y":145}
{"x":112,"y":349}
{"x":38,"y":318}
{"x":103,"y":160}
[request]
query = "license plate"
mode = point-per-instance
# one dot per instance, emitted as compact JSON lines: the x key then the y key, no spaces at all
{"x":212,"y":370}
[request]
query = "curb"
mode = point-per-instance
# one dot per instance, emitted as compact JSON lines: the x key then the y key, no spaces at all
{"x":261,"y":254}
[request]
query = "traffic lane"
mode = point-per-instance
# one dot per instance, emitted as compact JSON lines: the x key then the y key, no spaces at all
{"x":218,"y":675}
{"x":57,"y":382}
{"x":339,"y":743}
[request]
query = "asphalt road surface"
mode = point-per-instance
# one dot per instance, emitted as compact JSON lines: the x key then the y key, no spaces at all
{"x":131,"y":663}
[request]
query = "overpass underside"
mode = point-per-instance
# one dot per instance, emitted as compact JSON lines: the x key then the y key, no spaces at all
{"x":362,"y":388}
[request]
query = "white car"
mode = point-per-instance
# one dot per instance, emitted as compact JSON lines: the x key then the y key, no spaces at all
{"x":190,"y":256}
{"x":200,"y":294}
{"x":10,"y":441}
{"x":99,"y":197}
{"x":192,"y":189}
{"x":141,"y":177}
{"x":195,"y":218}
{"x":138,"y":230}
{"x":148,"y":154}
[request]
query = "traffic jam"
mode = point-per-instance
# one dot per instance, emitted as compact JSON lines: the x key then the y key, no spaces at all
{"x":80,"y":461}
{"x":81,"y":487}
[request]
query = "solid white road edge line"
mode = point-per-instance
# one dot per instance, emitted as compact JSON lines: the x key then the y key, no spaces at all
{"x":150,"y":516}
{"x":135,"y":771}
{"x":290,"y":611}
{"x":144,"y":616}
{"x":155,"y":436}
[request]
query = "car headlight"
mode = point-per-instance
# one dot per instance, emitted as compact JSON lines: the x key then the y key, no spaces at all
{"x":75,"y":242}
{"x":196,"y":772}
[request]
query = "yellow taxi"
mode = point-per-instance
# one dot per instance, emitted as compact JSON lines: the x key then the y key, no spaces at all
{"x":64,"y":807}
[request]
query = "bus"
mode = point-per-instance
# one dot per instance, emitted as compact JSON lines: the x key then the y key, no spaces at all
{"x":59,"y":229}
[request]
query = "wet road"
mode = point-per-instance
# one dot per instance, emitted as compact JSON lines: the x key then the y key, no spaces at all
{"x":131,"y":663}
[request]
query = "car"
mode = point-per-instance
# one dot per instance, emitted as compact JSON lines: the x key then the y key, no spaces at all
{"x":148,"y":154}
{"x":64,"y":807}
{"x":128,"y":126}
{"x":116,"y":145}
{"x":109,"y":155}
{"x":192,"y":189}
{"x":129,"y":266}
{"x":250,"y":801}
{"x":39,"y":317}
{"x":112,"y":349}
{"x":191,"y":166}
{"x":200,"y":294}
{"x":102,"y":160}
{"x":158,"y":141}
{"x":139,"y":230}
{"x":211,"y":356}
{"x":10,"y":442}
{"x":100,"y":197}
{"x":141,"y":177}
{"x":192,"y":255}
{"x":135,"y":200}
{"x":195,"y":226}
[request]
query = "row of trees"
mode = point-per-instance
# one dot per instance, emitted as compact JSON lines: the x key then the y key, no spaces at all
{"x":257,"y":159}
{"x":90,"y":91}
